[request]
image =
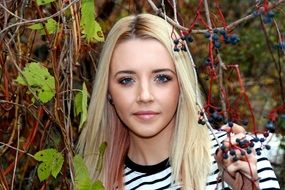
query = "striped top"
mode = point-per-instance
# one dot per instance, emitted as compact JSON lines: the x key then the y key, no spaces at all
{"x":158,"y":177}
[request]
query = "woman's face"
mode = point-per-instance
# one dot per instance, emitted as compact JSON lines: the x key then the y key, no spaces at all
{"x":144,"y":87}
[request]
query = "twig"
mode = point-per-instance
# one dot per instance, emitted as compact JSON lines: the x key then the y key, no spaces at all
{"x":67,"y":127}
{"x":10,"y":141}
{"x":76,"y":29}
{"x":157,"y":11}
{"x":198,"y":103}
{"x":207,"y":12}
{"x":23,"y":76}
{"x":30,"y":89}
{"x":267,"y":41}
{"x":5,"y":16}
{"x":252,"y":15}
{"x":229,"y":27}
{"x":221,"y":64}
{"x":163,"y":9}
{"x":3,"y":180}
{"x":221,"y":84}
{"x":38,"y":20}
{"x":175,"y":11}
{"x":278,"y":65}
{"x":8,"y":11}
{"x":17,"y":149}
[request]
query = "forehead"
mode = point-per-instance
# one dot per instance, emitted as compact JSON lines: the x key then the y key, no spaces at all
{"x":141,"y":53}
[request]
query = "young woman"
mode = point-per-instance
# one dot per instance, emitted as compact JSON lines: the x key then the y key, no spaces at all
{"x":143,"y":105}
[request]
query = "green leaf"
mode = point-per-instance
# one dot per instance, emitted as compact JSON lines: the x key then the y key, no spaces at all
{"x":43,"y":171}
{"x":52,"y":162}
{"x":43,"y":2}
{"x":57,"y":164}
{"x":83,"y":184}
{"x":45,"y":155}
{"x":99,"y":35}
{"x":80,"y":167}
{"x":51,"y":26}
{"x":81,"y":100}
{"x":97,"y":185}
{"x":39,"y":80}
{"x":82,"y":179}
{"x":91,"y":29}
{"x":102,"y":149}
{"x":78,"y":103}
{"x":37,"y":26}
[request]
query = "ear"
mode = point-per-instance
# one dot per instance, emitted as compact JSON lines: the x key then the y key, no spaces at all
{"x":109,"y":98}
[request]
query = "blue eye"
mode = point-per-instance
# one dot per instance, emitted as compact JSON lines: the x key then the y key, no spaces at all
{"x":126,"y":81}
{"x":163,"y":78}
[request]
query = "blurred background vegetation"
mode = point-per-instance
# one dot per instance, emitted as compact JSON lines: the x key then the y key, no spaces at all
{"x":30,"y":121}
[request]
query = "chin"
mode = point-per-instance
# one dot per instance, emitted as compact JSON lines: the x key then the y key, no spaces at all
{"x":147,"y":134}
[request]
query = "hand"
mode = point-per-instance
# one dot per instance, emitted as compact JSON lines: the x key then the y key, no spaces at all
{"x":239,"y":170}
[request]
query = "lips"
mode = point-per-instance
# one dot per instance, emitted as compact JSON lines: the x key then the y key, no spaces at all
{"x":145,"y":115}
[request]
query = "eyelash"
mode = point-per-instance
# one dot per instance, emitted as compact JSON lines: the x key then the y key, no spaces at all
{"x":161,"y":79}
{"x":125,"y":81}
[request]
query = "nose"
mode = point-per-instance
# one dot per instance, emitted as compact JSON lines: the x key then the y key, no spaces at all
{"x":145,"y":93}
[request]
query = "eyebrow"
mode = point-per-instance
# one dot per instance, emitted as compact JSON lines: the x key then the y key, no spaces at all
{"x":154,"y":71}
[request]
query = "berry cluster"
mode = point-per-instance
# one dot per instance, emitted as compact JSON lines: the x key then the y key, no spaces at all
{"x":270,"y":126}
{"x":215,"y":118}
{"x":241,"y":147}
{"x":179,"y":43}
{"x":227,"y":38}
{"x":280,"y":45}
{"x":268,"y":17}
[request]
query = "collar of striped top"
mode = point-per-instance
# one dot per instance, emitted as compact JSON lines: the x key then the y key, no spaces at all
{"x":149,"y":169}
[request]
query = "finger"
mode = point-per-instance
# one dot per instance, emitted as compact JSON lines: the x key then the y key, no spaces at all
{"x":232,"y":139}
{"x":222,"y":152}
{"x":219,"y":156}
{"x":251,"y":158}
{"x":226,"y":158}
{"x":246,"y":168}
{"x":234,"y":129}
{"x":238,"y":181}
{"x":234,"y":181}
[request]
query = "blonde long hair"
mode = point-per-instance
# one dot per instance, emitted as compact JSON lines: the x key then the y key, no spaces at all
{"x":190,"y":156}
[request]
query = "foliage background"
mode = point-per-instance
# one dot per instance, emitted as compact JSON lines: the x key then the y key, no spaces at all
{"x":28,"y":125}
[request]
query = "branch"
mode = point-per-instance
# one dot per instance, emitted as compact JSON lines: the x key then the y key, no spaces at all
{"x":221,"y":63}
{"x":7,"y":10}
{"x":278,"y":64}
{"x":221,"y":84}
{"x":159,"y":12}
{"x":229,"y":27}
{"x":17,"y":149}
{"x":39,"y":20}
{"x":252,"y":15}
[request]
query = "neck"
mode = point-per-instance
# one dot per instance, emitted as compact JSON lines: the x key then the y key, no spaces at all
{"x":152,"y":150}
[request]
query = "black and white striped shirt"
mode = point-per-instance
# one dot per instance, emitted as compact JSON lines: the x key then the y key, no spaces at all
{"x":158,"y":177}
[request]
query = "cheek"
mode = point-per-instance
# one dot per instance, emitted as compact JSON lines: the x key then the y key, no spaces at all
{"x":122,"y":99}
{"x":169,"y":97}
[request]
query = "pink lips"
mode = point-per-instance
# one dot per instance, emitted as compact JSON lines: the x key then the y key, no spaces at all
{"x":145,"y":115}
